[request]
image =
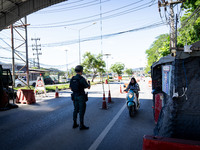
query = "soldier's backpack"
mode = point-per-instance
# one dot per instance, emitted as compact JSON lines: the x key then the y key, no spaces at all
{"x":75,"y":84}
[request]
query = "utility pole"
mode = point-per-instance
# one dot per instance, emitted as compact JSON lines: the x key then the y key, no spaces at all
{"x":33,"y":62}
{"x":163,"y":3}
{"x":37,"y":48}
{"x":26,"y":43}
{"x":13,"y":56}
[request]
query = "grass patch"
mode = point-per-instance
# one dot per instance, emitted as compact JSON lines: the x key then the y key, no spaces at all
{"x":60,"y":87}
{"x":52,"y":88}
{"x":49,"y":88}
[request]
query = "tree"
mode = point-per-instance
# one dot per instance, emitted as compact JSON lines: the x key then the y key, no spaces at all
{"x":117,"y":68}
{"x":129,"y":71}
{"x":158,"y":49}
{"x":190,"y":22}
{"x":71,"y":72}
{"x":93,"y":63}
{"x":190,"y":33}
{"x":191,"y":4}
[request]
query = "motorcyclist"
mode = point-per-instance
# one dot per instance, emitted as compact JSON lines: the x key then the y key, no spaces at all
{"x":133,"y":85}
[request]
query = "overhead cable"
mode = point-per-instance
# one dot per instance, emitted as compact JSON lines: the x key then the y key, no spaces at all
{"x":104,"y":36}
{"x":92,"y":20}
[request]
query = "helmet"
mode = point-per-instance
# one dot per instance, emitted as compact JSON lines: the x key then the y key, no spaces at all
{"x":79,"y":68}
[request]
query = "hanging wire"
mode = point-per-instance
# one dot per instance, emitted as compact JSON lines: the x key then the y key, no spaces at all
{"x":137,"y":8}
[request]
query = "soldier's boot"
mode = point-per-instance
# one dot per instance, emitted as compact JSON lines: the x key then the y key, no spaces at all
{"x":83,"y":127}
{"x":75,"y":125}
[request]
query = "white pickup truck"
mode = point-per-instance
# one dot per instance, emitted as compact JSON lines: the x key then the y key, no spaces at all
{"x":22,"y":82}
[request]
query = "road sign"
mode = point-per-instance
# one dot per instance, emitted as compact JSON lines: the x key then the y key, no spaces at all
{"x":40,"y":86}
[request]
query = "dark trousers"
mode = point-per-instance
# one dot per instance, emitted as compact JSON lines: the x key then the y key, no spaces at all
{"x":79,"y":107}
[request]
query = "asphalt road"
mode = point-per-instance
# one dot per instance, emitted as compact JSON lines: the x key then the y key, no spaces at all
{"x":48,"y":123}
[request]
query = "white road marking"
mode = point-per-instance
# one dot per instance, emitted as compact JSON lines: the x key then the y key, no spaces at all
{"x":100,"y":138}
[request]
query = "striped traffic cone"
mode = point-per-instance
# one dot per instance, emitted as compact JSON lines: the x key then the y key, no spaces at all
{"x":56,"y":94}
{"x":109,"y":97}
{"x":104,"y":105}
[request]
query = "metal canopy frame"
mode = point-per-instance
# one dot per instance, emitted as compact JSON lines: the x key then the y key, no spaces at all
{"x":13,"y":10}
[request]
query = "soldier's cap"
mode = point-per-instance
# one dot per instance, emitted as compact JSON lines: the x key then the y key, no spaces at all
{"x":79,"y":68}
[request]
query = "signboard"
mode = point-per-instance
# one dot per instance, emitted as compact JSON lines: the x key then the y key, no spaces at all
{"x":40,"y":86}
{"x":166,"y":78}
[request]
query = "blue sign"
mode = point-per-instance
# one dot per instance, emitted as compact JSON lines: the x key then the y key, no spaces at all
{"x":166,"y":78}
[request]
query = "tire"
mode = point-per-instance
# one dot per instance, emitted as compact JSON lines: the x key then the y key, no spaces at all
{"x":131,"y":111}
{"x":134,"y":107}
{"x":19,"y":85}
{"x":34,"y":84}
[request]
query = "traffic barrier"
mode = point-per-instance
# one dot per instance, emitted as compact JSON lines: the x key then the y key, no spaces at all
{"x":162,"y":143}
{"x":25,"y":96}
{"x":109,"y":97}
{"x":56,"y":94}
{"x":104,"y":105}
{"x":158,"y":106}
{"x":4,"y":100}
{"x":120,"y":89}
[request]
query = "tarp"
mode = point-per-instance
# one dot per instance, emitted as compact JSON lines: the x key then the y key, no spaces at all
{"x":163,"y":60}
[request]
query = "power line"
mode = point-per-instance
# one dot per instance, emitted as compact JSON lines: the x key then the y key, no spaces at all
{"x":96,"y":15}
{"x":104,"y":36}
{"x":140,"y":7}
{"x":73,"y":7}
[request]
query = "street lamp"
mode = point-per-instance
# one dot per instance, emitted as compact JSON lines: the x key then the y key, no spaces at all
{"x":79,"y":38}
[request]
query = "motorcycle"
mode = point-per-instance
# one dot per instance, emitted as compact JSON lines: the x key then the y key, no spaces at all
{"x":132,"y":102}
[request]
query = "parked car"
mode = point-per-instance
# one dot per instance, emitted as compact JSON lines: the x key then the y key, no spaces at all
{"x":48,"y":81}
{"x":22,"y":82}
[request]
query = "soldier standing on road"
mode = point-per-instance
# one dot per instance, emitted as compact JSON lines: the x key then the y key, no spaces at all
{"x":77,"y":84}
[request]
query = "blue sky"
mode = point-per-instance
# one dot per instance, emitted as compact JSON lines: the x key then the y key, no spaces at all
{"x":128,"y":48}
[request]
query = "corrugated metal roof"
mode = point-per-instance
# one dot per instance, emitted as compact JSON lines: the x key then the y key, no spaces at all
{"x":13,"y":10}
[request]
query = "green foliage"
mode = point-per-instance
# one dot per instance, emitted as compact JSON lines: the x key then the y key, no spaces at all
{"x":190,"y":33}
{"x":158,"y":49}
{"x":46,"y":74}
{"x":93,"y":64}
{"x":60,"y":87}
{"x":117,"y":68}
{"x":129,"y":71}
{"x":191,"y":4}
{"x":71,"y":72}
{"x":61,"y":73}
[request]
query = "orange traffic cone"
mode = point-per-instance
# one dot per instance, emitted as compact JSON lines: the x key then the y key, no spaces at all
{"x":150,"y":83}
{"x":56,"y":94}
{"x":106,"y":81}
{"x":109,"y":97}
{"x":104,"y":105}
{"x":120,"y":89}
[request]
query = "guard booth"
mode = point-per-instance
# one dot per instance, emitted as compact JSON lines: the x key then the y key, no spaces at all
{"x":176,"y":102}
{"x":161,"y":77}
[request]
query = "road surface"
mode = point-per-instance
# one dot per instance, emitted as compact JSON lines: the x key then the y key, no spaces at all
{"x":48,"y":123}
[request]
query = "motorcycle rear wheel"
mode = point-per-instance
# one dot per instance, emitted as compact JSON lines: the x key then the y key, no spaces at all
{"x":131,"y":111}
